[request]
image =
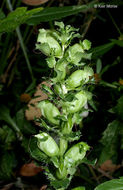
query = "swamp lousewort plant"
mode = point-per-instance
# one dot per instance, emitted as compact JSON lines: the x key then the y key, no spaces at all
{"x":67,"y":104}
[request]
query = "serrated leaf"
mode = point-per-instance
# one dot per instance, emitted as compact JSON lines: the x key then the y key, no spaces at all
{"x":85,"y":161}
{"x":36,"y":152}
{"x":15,"y":18}
{"x":115,"y":184}
{"x":55,"y":13}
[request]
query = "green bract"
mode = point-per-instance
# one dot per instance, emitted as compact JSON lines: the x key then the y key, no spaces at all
{"x":58,"y":89}
{"x":75,"y":53}
{"x":74,"y":80}
{"x":75,"y":154}
{"x":49,"y":111}
{"x":86,"y":44}
{"x":51,"y":62}
{"x":79,"y":77}
{"x":74,"y":106}
{"x":65,"y":34}
{"x":60,"y":69}
{"x":47,"y":144}
{"x":67,"y":126}
{"x":87,"y":74}
{"x":47,"y":44}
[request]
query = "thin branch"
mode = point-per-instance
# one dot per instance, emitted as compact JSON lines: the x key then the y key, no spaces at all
{"x":22,"y":43}
{"x":113,"y":21}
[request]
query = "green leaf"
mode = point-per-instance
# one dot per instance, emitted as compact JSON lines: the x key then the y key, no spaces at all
{"x":25,"y":126}
{"x":61,"y":117}
{"x":15,"y":18}
{"x":55,"y":13}
{"x":110,"y":141}
{"x":7,"y":137}
{"x":5,"y":116}
{"x":55,"y":161}
{"x":51,"y":62}
{"x":106,"y":68}
{"x":60,"y":183}
{"x":118,"y":42}
{"x":86,"y":44}
{"x":2,"y":15}
{"x":115,"y":184}
{"x":98,"y":66}
{"x":79,"y":188}
{"x":101,"y":50}
{"x":73,"y":136}
{"x":104,"y":83}
{"x":85,"y":161}
{"x":36,"y":153}
{"x":7,"y":163}
{"x":46,"y":89}
{"x":119,"y":107}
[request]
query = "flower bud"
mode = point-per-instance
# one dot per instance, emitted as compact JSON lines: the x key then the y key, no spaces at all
{"x":49,"y":111}
{"x":78,"y":77}
{"x":75,"y":53}
{"x":47,"y":144}
{"x":77,"y":104}
{"x":76,"y":153}
{"x":48,"y":44}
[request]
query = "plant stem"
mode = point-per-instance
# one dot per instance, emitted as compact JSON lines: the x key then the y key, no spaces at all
{"x":24,"y":52}
{"x":93,"y":173}
{"x":86,"y":179}
{"x":113,"y":21}
{"x":22,"y":44}
{"x":3,"y":4}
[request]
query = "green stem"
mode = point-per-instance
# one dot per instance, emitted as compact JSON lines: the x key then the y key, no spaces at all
{"x":104,"y":83}
{"x":24,"y":52}
{"x":93,"y":173}
{"x":5,"y":53}
{"x":29,"y":35}
{"x":22,"y":43}
{"x":13,"y":3}
{"x":3,"y":4}
{"x":113,"y":21}
{"x":86,"y":179}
